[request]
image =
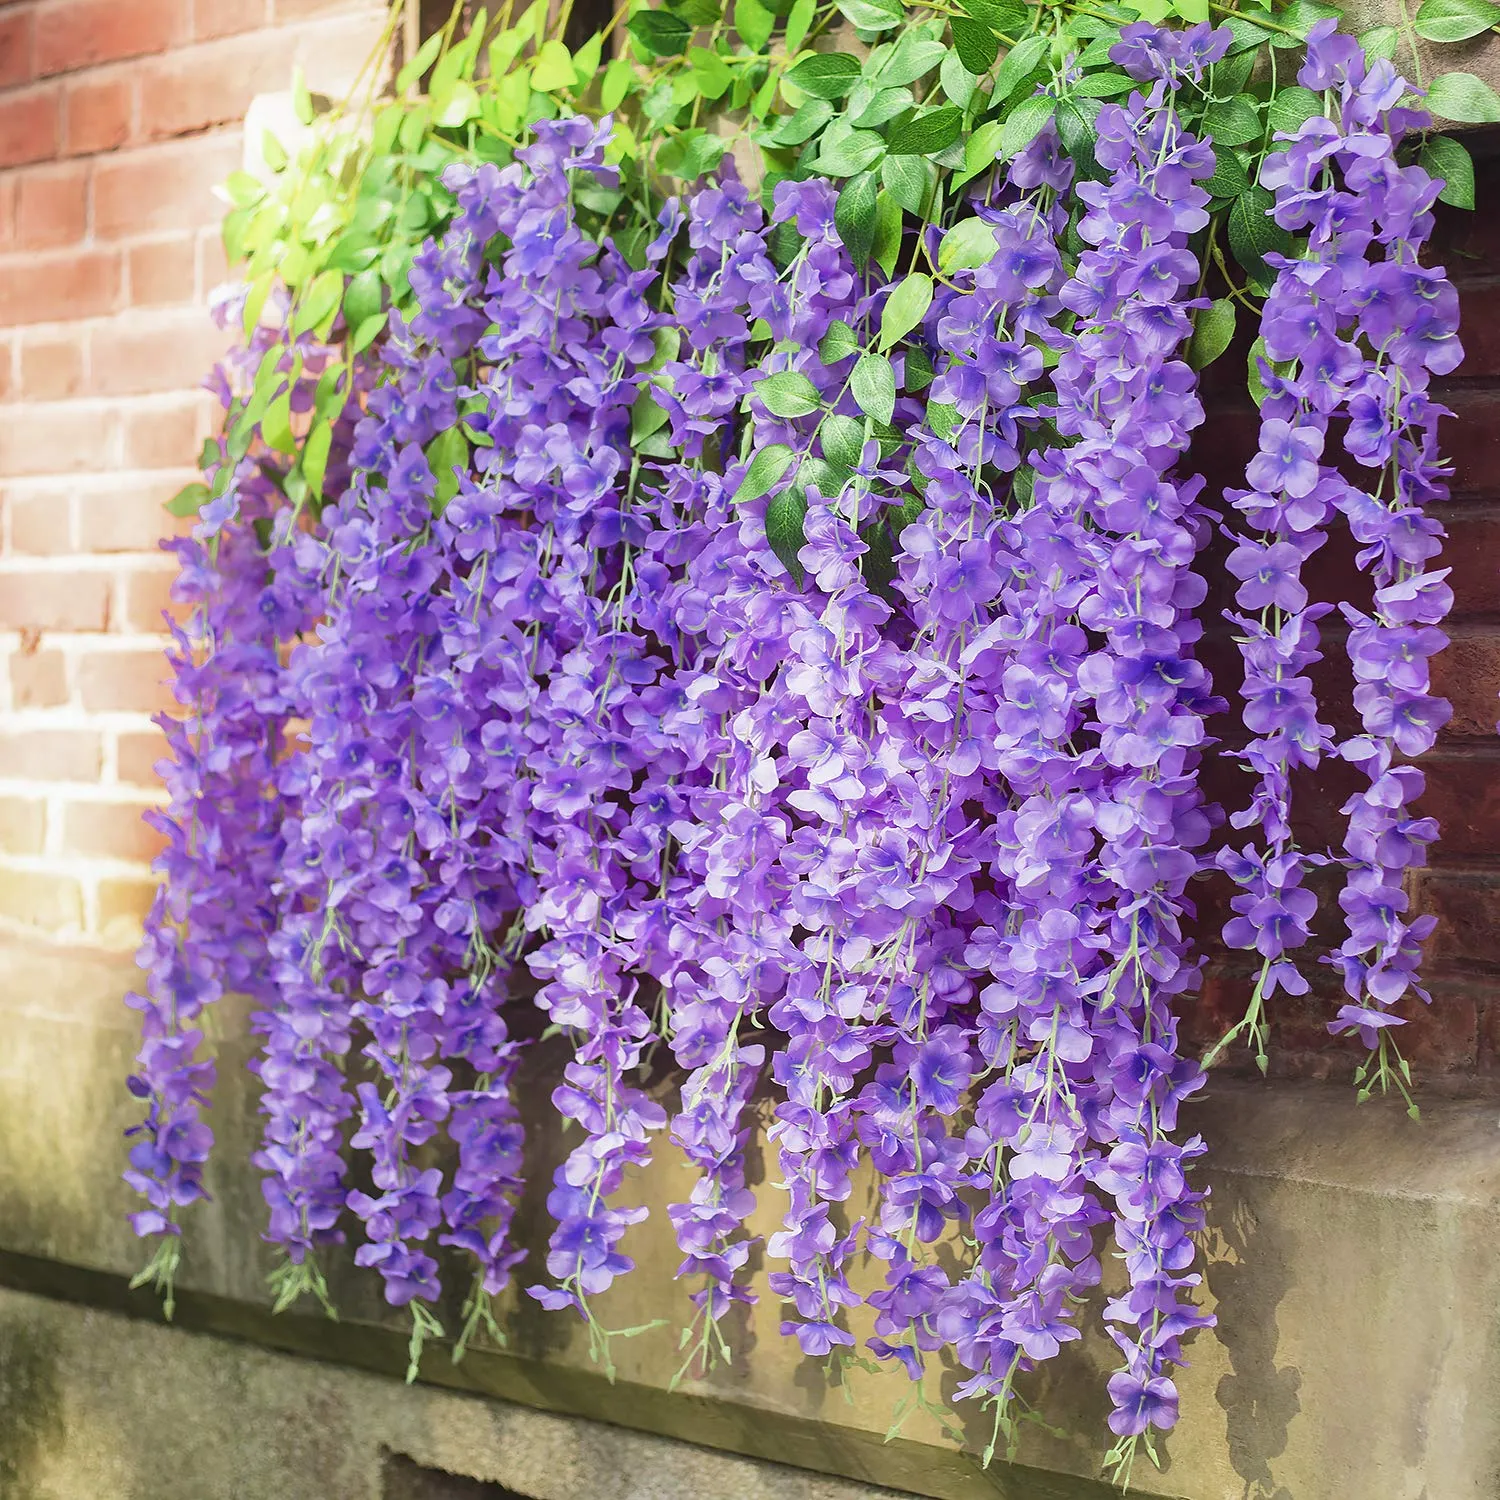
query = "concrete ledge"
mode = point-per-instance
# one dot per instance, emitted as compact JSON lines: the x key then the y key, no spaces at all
{"x":1352,"y":1257}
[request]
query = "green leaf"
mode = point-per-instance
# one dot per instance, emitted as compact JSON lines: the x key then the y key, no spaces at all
{"x":839,"y":342}
{"x":1380,"y":41}
{"x":1005,"y":16}
{"x":646,"y":416}
{"x":1232,"y":74}
{"x":854,"y":217}
{"x":1444,"y":157}
{"x":1292,"y":107}
{"x":874,"y":386}
{"x":552,"y":68}
{"x":785,"y":516}
{"x":1018,"y":66}
{"x":908,"y":180}
{"x":843,"y":152}
{"x":1253,"y":233}
{"x":276,"y":425}
{"x":618,"y":77}
{"x":754,"y":22}
{"x":586,"y":61}
{"x":447,"y":453}
{"x":809,"y":117}
{"x":189,"y":500}
{"x":842,"y":440}
{"x":789,"y":394}
{"x":1298,"y":19}
{"x":319,"y":301}
{"x":273,"y":153}
{"x":1105,"y":85}
{"x":967,"y":246}
{"x":1454,"y":20}
{"x":711,"y":71}
{"x":925,"y":135}
{"x":1213,"y":332}
{"x":958,"y":83}
{"x":1254,"y":378}
{"x":660,"y":32}
{"x":1075,"y":129}
{"x":1464,"y":99}
{"x":883,"y":106}
{"x":765,"y":472}
{"x":1247,"y":35}
{"x":1026,"y":122}
{"x":1230,"y":178}
{"x":916,"y":55}
{"x":905,"y":308}
{"x":919,"y":371}
{"x":367,"y":332}
{"x":798,"y":23}
{"x":1232,"y":122}
{"x":942,"y":418}
{"x":363,"y":298}
{"x":315,"y":457}
{"x":825,"y":75}
{"x":871,"y":15}
{"x":975,"y":44}
{"x":302,"y":104}
{"x":243,"y":190}
{"x":887,"y":249}
{"x":982,"y":149}
{"x":420,"y":63}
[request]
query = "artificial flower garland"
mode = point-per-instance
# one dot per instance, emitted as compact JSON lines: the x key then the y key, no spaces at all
{"x":792,"y":664}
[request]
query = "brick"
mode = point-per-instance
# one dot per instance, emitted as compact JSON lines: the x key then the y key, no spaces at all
{"x":213,"y":84}
{"x":1467,"y":906}
{"x":130,"y":516}
{"x":145,"y":594}
{"x":301,"y":10}
{"x":51,"y":206}
{"x":98,"y":113}
{"x":216,"y":18}
{"x":7,"y":210}
{"x":1473,"y":552}
{"x":1463,"y":794}
{"x":136,"y":755}
{"x":52,"y":365}
{"x":124,"y":904}
{"x":59,"y":287}
{"x":50,"y":755}
{"x":73,"y":34}
{"x":163,"y":187}
{"x":30,"y":125}
{"x":38,"y":679}
{"x":1473,"y":441}
{"x":53,"y":600}
{"x":110,"y":830}
{"x":62,"y":438}
{"x":155,"y":351}
{"x":213,"y":263}
{"x":166,"y":435}
{"x":162,"y":271}
{"x":23,"y":825}
{"x":40,"y":524}
{"x":15,"y":48}
{"x":41,"y":898}
{"x":1468,"y":675}
{"x":124,"y":682}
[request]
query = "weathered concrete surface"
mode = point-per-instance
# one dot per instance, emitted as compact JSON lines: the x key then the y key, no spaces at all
{"x":98,"y":1407}
{"x":1353,"y":1260}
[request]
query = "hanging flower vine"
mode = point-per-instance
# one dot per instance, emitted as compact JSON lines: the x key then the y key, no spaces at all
{"x":755,"y":614}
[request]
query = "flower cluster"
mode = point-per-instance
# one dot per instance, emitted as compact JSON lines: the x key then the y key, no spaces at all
{"x":1355,"y":328}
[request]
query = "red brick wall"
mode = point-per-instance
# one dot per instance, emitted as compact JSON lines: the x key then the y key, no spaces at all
{"x":116,"y":119}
